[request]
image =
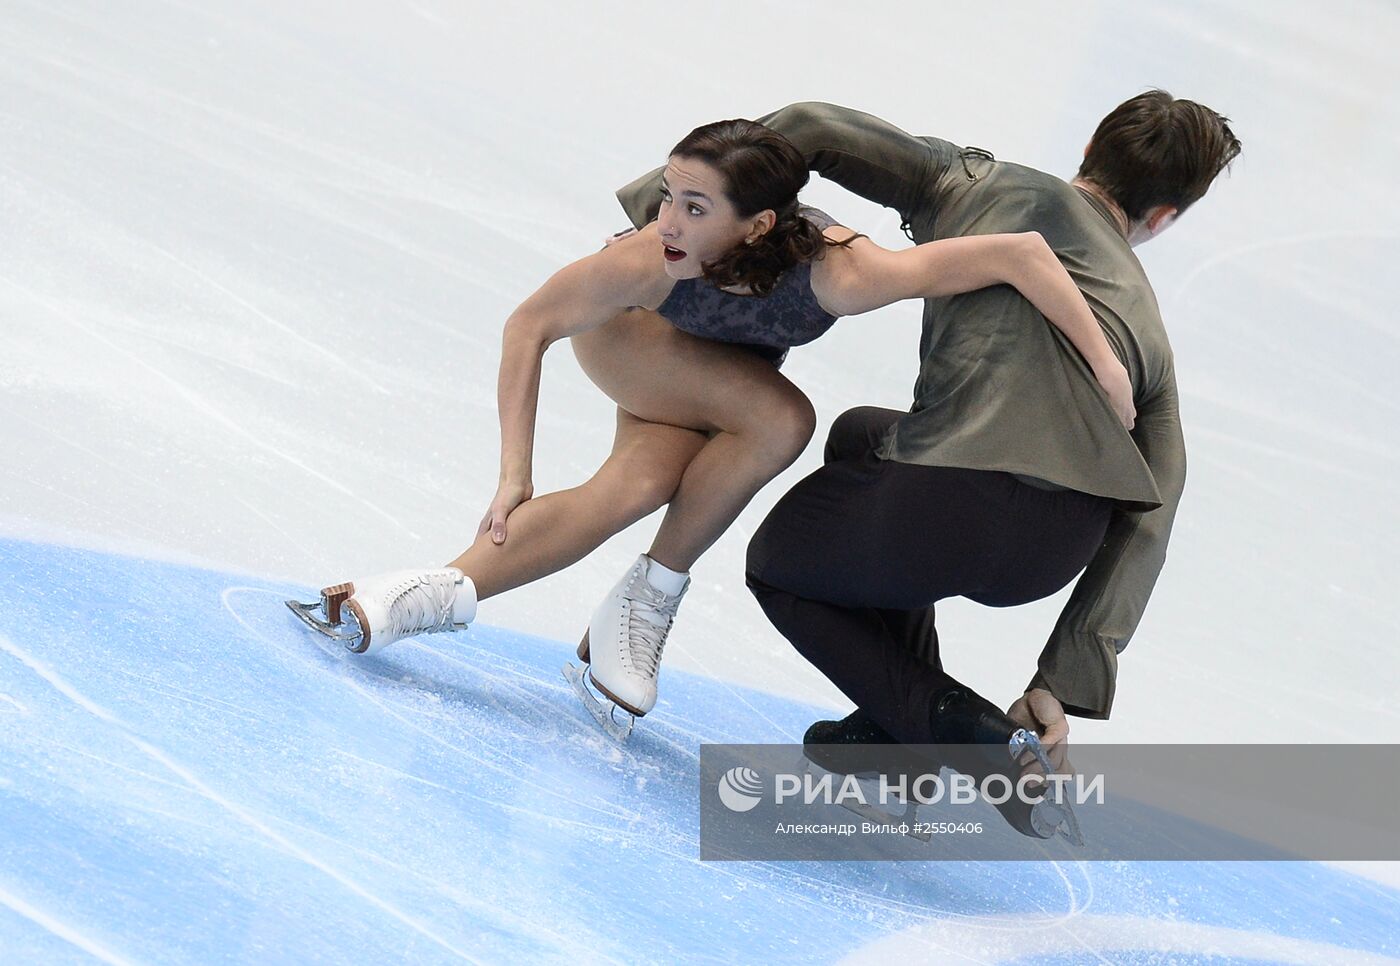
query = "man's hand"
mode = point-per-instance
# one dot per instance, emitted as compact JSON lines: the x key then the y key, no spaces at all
{"x":1040,"y":711}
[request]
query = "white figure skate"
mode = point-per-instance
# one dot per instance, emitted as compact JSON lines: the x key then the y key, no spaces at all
{"x":367,"y":615}
{"x":622,"y":647}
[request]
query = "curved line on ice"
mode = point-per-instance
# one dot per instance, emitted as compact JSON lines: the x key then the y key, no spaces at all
{"x":1009,"y":921}
{"x":56,"y":681}
{"x":618,"y":812}
{"x":1260,"y":246}
{"x":646,"y":835}
{"x":966,"y":941}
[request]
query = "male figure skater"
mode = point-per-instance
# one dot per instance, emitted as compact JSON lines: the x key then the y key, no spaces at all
{"x":1010,"y":473}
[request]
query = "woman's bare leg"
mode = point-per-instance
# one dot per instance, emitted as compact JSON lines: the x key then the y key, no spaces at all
{"x":758,"y":421}
{"x":550,"y":532}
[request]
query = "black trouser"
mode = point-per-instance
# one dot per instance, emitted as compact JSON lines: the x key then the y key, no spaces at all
{"x":850,"y":562}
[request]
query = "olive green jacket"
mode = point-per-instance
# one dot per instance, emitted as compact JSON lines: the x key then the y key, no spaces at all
{"x":1001,"y":389}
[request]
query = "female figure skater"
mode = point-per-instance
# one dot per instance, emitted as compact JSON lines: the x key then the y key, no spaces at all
{"x":684,"y":325}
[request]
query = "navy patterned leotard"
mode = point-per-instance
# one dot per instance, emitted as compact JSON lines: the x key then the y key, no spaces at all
{"x":769,"y":325}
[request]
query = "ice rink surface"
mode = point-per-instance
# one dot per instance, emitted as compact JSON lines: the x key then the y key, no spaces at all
{"x":253,"y":268}
{"x":247,"y":794}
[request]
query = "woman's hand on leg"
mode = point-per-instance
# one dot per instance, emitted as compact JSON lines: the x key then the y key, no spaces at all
{"x":509,"y":495}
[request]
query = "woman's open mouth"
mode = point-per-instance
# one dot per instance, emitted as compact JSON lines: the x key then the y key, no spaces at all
{"x":672,"y":254}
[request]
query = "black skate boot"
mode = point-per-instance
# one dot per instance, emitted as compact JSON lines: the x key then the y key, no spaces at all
{"x":961,"y":716}
{"x":855,"y":745}
{"x":974,"y":737}
{"x":977,"y":739}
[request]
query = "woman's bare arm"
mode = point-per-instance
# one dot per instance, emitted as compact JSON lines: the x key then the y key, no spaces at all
{"x":579,"y":297}
{"x":865,"y":277}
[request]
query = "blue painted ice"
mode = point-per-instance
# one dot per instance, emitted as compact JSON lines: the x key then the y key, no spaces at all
{"x":191,"y":776}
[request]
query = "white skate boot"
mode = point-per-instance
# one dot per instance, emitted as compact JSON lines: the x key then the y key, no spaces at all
{"x":623,"y":647}
{"x":390,"y":607}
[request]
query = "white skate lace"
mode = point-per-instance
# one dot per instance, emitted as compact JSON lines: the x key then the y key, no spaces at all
{"x":648,"y":623}
{"x":425,"y":607}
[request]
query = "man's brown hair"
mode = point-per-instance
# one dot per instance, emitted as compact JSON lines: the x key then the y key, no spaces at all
{"x":1154,"y":149}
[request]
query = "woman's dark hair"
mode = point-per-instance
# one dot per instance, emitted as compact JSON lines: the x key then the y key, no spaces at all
{"x":761,"y":169}
{"x":1154,"y":149}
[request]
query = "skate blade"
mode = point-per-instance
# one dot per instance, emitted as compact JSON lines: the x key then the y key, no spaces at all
{"x":602,"y":714}
{"x":873,"y":812}
{"x":308,"y":614}
{"x":1048,"y":818}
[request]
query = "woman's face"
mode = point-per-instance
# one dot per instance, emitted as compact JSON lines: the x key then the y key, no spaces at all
{"x":697,"y":222}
